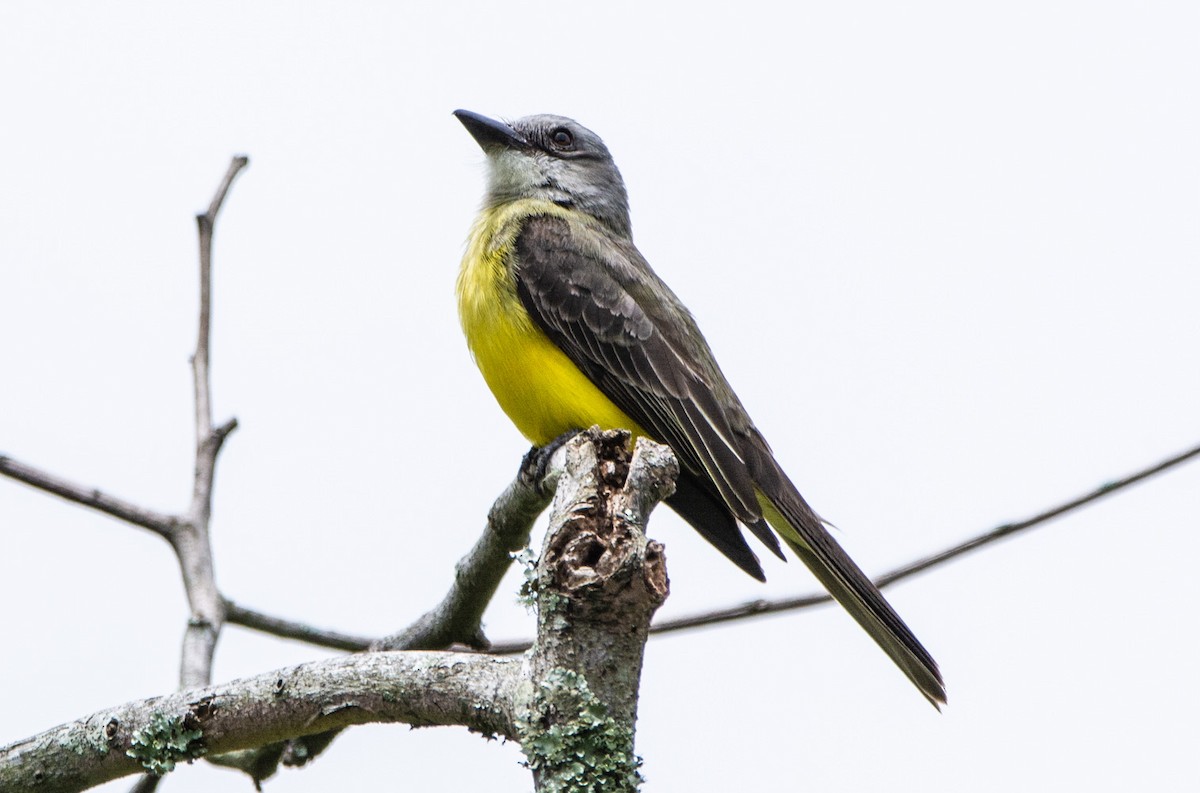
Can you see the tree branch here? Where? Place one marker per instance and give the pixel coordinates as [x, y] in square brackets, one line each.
[189, 534]
[157, 522]
[599, 582]
[157, 733]
[594, 548]
[192, 541]
[756, 608]
[762, 606]
[458, 618]
[236, 614]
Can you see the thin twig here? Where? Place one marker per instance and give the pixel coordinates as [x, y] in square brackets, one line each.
[157, 522]
[458, 618]
[208, 442]
[567, 679]
[756, 608]
[289, 629]
[509, 523]
[1008, 529]
[188, 534]
[192, 542]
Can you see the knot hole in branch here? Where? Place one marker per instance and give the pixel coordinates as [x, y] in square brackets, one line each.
[601, 539]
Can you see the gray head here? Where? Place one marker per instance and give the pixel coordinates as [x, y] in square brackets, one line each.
[554, 159]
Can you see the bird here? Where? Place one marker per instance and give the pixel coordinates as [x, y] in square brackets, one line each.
[571, 328]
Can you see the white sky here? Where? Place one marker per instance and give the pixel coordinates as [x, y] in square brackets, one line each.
[947, 255]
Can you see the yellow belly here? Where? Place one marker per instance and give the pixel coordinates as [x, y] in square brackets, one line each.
[543, 393]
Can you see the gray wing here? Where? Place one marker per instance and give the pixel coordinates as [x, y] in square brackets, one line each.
[601, 304]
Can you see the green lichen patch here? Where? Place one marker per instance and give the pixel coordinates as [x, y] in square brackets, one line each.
[527, 594]
[572, 743]
[165, 741]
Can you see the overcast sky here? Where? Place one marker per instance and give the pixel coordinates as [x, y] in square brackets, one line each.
[947, 255]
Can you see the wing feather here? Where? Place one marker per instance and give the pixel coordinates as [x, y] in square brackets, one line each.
[603, 307]
[598, 300]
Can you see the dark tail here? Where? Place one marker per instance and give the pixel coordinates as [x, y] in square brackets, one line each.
[788, 513]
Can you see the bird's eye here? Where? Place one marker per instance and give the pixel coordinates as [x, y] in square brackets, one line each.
[562, 138]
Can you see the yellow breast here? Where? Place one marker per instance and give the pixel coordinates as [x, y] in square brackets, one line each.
[543, 393]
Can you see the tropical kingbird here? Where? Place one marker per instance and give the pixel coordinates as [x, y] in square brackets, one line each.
[570, 327]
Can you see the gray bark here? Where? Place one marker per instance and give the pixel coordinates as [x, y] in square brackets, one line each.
[598, 584]
[571, 700]
[157, 734]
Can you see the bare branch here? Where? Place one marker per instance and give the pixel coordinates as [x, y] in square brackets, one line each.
[192, 542]
[458, 618]
[214, 207]
[599, 582]
[414, 688]
[249, 618]
[507, 509]
[188, 535]
[1009, 529]
[157, 522]
[755, 608]
[206, 223]
[501, 513]
[597, 563]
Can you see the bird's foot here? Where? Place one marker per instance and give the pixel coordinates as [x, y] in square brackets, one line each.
[536, 463]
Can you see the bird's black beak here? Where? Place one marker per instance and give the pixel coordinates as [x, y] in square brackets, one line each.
[488, 132]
